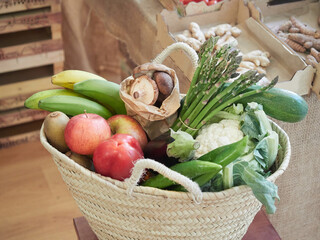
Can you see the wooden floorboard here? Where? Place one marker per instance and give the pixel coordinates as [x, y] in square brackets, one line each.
[35, 202]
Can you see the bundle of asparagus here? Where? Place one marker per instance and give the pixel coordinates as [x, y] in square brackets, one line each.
[209, 93]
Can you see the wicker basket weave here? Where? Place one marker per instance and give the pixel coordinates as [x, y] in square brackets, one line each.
[149, 213]
[122, 210]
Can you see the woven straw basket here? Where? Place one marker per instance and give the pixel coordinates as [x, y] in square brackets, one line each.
[123, 210]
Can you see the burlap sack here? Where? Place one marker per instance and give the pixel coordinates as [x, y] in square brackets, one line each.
[154, 120]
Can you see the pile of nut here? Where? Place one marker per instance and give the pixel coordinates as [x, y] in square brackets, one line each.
[195, 37]
[255, 60]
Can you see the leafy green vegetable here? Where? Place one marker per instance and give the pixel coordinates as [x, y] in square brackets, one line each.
[267, 149]
[235, 109]
[257, 125]
[183, 147]
[251, 126]
[265, 125]
[251, 167]
[253, 163]
[256, 122]
[265, 191]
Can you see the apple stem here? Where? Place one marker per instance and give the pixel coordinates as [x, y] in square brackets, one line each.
[85, 112]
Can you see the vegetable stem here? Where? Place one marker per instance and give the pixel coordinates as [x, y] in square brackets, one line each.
[200, 122]
[207, 94]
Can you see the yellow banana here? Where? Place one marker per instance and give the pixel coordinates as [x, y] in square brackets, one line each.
[33, 101]
[68, 78]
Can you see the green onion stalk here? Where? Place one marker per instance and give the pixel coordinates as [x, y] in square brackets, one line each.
[207, 94]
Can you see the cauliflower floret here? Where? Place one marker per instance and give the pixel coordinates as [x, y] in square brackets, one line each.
[218, 134]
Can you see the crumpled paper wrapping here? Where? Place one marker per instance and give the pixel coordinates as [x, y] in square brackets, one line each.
[154, 120]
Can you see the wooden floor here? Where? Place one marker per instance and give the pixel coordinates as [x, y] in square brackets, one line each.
[34, 201]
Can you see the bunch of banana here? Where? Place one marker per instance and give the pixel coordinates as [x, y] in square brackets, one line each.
[82, 91]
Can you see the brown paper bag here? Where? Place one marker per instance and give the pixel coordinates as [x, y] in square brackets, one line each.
[154, 120]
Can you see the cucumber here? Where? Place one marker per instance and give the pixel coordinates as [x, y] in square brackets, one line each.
[279, 104]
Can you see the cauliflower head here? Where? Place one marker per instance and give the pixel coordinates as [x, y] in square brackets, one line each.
[219, 134]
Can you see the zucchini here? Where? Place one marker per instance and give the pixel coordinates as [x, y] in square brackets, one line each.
[279, 104]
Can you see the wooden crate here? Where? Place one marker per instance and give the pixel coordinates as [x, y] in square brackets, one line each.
[20, 116]
[31, 51]
[8, 6]
[191, 8]
[12, 136]
[13, 94]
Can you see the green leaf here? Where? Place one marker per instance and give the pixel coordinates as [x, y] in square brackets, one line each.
[183, 147]
[265, 191]
[251, 126]
[235, 109]
[267, 149]
[261, 153]
[256, 123]
[253, 163]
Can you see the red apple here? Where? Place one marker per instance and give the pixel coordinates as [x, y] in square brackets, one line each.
[116, 156]
[128, 125]
[84, 132]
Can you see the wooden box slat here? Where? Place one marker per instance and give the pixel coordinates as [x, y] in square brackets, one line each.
[14, 140]
[22, 133]
[31, 61]
[13, 94]
[21, 91]
[29, 49]
[20, 116]
[8, 6]
[18, 22]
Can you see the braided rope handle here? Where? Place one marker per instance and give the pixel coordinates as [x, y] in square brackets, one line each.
[142, 164]
[178, 46]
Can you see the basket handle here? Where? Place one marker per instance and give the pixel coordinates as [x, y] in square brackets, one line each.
[142, 164]
[178, 46]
